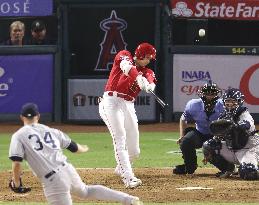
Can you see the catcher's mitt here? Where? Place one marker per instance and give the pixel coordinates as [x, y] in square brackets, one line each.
[235, 136]
[20, 189]
[221, 127]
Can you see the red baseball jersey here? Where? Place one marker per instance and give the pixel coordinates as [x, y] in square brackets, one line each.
[122, 83]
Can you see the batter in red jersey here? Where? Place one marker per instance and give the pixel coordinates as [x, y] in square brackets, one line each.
[129, 75]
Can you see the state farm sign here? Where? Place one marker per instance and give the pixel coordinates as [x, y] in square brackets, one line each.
[231, 9]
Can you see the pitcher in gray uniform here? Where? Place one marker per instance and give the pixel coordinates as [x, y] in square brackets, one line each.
[41, 146]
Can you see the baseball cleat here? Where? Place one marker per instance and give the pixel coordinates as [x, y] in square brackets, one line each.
[226, 174]
[180, 169]
[183, 169]
[132, 182]
[223, 175]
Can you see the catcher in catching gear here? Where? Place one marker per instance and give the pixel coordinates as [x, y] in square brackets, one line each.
[235, 141]
[201, 111]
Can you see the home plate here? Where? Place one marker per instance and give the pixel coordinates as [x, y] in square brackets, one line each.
[194, 188]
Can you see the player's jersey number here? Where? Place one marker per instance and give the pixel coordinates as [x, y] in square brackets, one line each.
[47, 139]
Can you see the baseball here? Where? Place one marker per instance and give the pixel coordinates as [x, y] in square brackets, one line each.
[202, 32]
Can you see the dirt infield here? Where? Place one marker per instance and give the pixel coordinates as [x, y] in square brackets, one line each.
[157, 127]
[159, 184]
[153, 127]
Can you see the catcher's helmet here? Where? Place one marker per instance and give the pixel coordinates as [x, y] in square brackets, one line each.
[144, 49]
[209, 89]
[236, 95]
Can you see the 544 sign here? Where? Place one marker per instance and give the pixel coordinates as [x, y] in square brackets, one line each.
[244, 50]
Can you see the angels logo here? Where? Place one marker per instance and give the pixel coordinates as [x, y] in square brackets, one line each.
[112, 42]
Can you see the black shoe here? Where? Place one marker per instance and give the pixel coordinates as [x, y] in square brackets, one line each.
[180, 169]
[219, 173]
[191, 169]
[227, 173]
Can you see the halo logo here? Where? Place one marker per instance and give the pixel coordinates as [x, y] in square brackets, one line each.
[181, 9]
[113, 41]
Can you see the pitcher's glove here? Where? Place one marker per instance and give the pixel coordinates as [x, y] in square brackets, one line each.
[20, 189]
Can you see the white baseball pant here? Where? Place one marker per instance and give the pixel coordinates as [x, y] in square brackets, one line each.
[58, 186]
[120, 117]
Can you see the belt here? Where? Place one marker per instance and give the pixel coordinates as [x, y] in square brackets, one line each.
[121, 95]
[53, 171]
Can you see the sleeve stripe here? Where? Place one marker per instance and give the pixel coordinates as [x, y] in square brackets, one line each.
[16, 158]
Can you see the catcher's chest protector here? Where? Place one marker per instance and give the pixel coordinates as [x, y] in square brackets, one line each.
[237, 138]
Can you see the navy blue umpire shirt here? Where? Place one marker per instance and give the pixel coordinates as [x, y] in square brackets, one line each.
[194, 112]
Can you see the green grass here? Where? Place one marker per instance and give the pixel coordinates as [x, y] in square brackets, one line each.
[153, 150]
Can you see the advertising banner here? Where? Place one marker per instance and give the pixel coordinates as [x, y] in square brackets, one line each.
[221, 9]
[26, 78]
[83, 97]
[26, 8]
[190, 72]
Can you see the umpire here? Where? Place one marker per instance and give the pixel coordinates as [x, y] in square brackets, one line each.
[202, 112]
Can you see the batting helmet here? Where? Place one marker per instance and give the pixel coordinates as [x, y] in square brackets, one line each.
[236, 95]
[209, 89]
[144, 49]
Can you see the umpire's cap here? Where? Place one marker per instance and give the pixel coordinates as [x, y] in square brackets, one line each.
[38, 26]
[29, 110]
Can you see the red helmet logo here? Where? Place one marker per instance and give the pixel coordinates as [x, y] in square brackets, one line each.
[145, 49]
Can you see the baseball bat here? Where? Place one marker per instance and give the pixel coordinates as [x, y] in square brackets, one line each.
[158, 99]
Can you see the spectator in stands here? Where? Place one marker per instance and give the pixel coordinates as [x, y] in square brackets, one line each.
[17, 30]
[38, 34]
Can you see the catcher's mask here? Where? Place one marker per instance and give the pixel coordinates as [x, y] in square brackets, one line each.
[209, 93]
[233, 99]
